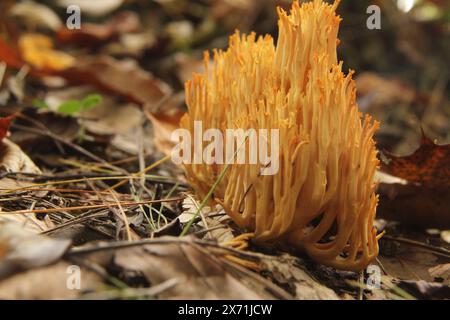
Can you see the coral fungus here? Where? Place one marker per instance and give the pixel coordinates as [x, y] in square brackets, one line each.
[322, 199]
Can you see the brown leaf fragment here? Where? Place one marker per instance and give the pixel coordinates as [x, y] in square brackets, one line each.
[92, 8]
[202, 270]
[24, 250]
[124, 78]
[415, 205]
[91, 35]
[4, 126]
[29, 285]
[287, 271]
[164, 122]
[429, 165]
[441, 271]
[35, 15]
[13, 159]
[426, 290]
[201, 276]
[10, 54]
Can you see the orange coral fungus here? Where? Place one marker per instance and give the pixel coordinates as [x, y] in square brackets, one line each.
[322, 199]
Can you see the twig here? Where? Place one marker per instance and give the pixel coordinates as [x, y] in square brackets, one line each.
[124, 216]
[138, 174]
[128, 293]
[436, 250]
[96, 178]
[95, 206]
[167, 240]
[74, 146]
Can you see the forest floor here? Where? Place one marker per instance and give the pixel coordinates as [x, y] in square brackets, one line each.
[93, 207]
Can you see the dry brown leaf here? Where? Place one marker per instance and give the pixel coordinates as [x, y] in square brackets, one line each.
[165, 121]
[22, 249]
[429, 165]
[13, 159]
[29, 285]
[203, 271]
[445, 235]
[97, 34]
[441, 271]
[124, 78]
[4, 126]
[286, 270]
[215, 220]
[110, 118]
[426, 290]
[186, 65]
[411, 263]
[93, 8]
[163, 126]
[200, 274]
[36, 15]
[414, 205]
[416, 192]
[378, 93]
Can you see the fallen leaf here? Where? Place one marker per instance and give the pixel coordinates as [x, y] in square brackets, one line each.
[37, 50]
[28, 285]
[97, 34]
[286, 270]
[414, 206]
[10, 54]
[93, 8]
[419, 184]
[411, 263]
[204, 271]
[164, 122]
[429, 165]
[124, 78]
[200, 276]
[426, 290]
[377, 93]
[36, 15]
[441, 271]
[445, 235]
[4, 126]
[132, 44]
[212, 219]
[13, 159]
[187, 65]
[111, 118]
[27, 221]
[24, 250]
[123, 126]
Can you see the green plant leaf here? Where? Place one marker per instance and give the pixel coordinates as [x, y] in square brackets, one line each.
[70, 107]
[91, 101]
[40, 104]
